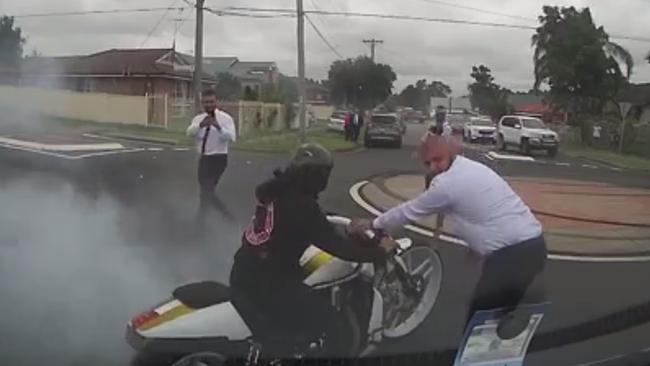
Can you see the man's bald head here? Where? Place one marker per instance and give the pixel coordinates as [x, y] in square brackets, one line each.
[438, 152]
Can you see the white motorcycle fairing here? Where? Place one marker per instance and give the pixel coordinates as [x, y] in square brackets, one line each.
[199, 316]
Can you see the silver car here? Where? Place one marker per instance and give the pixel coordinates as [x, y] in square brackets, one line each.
[384, 128]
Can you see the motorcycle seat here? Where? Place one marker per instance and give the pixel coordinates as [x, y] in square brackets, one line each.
[201, 295]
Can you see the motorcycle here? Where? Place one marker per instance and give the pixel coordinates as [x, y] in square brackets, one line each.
[379, 301]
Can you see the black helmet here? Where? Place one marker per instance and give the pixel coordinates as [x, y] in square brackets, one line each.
[311, 154]
[310, 168]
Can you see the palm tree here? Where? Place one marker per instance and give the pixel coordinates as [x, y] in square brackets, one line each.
[557, 26]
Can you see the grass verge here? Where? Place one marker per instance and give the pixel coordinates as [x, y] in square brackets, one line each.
[268, 141]
[288, 141]
[608, 157]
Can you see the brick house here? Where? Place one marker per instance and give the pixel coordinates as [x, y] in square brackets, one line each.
[116, 71]
[252, 74]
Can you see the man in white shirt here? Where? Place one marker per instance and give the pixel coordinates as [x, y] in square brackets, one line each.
[486, 213]
[213, 131]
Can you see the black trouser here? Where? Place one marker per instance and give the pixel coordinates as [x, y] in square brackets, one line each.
[278, 305]
[356, 129]
[348, 132]
[506, 275]
[211, 167]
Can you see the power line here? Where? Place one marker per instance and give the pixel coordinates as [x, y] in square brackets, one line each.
[286, 13]
[513, 16]
[93, 12]
[323, 37]
[158, 23]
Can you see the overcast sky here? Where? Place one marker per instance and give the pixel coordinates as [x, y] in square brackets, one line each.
[415, 50]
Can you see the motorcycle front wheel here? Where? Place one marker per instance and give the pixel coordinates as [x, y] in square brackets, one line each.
[201, 359]
[424, 266]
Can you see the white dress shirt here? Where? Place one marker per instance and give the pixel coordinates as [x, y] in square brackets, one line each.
[485, 212]
[218, 142]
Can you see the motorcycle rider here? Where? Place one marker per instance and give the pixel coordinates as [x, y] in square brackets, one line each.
[267, 279]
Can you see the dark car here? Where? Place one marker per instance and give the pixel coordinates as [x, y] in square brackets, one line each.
[383, 128]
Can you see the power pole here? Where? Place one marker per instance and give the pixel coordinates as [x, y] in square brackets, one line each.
[302, 117]
[373, 42]
[198, 55]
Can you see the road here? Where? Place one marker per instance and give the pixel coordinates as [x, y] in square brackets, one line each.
[86, 243]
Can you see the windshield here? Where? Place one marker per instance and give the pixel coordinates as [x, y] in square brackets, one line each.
[533, 123]
[482, 122]
[150, 145]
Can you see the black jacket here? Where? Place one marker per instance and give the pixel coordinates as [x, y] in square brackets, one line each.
[282, 229]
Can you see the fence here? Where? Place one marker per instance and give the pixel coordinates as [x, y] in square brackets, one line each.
[94, 107]
[250, 117]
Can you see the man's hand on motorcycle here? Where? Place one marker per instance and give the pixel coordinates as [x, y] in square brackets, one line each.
[388, 244]
[359, 227]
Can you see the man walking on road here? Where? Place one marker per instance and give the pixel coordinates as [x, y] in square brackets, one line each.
[213, 130]
[498, 227]
[357, 123]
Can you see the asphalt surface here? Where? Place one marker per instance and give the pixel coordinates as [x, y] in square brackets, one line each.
[87, 243]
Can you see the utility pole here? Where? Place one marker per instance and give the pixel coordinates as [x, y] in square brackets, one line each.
[302, 118]
[373, 42]
[198, 55]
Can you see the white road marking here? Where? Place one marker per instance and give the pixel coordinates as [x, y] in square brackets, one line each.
[356, 197]
[60, 147]
[37, 151]
[562, 164]
[155, 149]
[181, 149]
[510, 157]
[589, 166]
[102, 153]
[69, 157]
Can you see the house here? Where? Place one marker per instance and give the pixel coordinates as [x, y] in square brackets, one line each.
[252, 74]
[158, 71]
[531, 104]
[638, 95]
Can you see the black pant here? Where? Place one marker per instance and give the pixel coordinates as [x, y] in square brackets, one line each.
[211, 167]
[356, 129]
[506, 275]
[348, 132]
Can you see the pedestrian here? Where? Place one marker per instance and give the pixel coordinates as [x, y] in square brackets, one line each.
[347, 126]
[357, 125]
[499, 229]
[213, 131]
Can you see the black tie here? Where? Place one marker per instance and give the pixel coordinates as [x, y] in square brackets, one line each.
[205, 139]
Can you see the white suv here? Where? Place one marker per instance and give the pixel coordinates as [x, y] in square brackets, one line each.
[527, 133]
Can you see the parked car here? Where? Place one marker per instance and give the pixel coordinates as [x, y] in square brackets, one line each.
[480, 129]
[384, 127]
[527, 133]
[411, 115]
[337, 121]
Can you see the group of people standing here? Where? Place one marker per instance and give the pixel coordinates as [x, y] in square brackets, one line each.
[352, 124]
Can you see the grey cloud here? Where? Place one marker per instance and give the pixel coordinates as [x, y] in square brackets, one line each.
[415, 49]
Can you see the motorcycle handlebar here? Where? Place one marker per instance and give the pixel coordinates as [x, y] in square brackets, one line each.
[340, 220]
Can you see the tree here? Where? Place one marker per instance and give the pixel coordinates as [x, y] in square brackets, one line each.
[228, 86]
[486, 95]
[419, 95]
[360, 82]
[581, 66]
[250, 94]
[11, 42]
